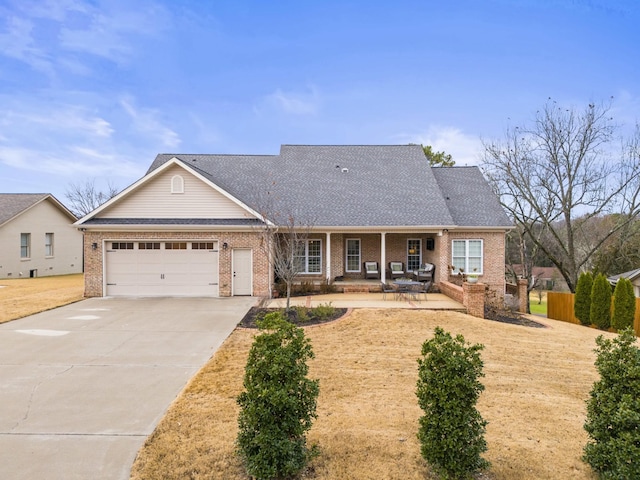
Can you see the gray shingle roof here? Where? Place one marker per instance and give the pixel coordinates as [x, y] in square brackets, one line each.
[12, 204]
[631, 275]
[353, 185]
[469, 197]
[175, 221]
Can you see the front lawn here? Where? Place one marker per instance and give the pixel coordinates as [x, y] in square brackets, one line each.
[537, 381]
[538, 307]
[20, 297]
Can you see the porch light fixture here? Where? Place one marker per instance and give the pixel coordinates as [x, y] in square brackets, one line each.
[225, 245]
[94, 246]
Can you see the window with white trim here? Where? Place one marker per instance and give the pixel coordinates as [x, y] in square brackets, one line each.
[414, 254]
[48, 244]
[353, 254]
[177, 184]
[308, 256]
[467, 255]
[25, 245]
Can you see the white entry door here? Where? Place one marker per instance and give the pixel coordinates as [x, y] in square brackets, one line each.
[242, 266]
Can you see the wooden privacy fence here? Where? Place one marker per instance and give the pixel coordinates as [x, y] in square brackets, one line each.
[560, 307]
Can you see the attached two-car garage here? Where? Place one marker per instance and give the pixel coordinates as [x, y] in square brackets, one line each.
[161, 268]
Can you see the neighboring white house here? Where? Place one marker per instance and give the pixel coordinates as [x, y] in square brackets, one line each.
[36, 237]
[633, 275]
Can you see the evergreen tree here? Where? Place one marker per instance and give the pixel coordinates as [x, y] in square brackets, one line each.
[582, 298]
[601, 302]
[624, 304]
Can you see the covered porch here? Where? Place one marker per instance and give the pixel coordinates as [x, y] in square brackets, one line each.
[433, 301]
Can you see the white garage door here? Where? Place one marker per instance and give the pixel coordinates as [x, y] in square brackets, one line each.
[185, 268]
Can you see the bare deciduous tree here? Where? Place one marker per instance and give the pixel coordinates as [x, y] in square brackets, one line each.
[557, 174]
[283, 239]
[85, 197]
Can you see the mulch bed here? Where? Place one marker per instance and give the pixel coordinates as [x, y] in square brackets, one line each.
[514, 318]
[504, 316]
[249, 320]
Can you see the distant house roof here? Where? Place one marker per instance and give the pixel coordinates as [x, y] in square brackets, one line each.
[13, 204]
[353, 185]
[630, 275]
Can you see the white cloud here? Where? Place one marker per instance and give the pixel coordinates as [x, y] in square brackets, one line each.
[464, 148]
[62, 119]
[17, 42]
[146, 122]
[43, 34]
[295, 103]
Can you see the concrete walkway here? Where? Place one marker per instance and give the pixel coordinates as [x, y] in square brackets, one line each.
[434, 301]
[82, 386]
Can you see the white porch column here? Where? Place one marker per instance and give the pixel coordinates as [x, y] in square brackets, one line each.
[383, 257]
[328, 257]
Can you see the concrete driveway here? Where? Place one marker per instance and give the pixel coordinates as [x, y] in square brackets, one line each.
[82, 386]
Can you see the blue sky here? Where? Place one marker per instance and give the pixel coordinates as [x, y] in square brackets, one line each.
[95, 89]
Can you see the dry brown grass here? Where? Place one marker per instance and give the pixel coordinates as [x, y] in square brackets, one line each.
[537, 381]
[20, 297]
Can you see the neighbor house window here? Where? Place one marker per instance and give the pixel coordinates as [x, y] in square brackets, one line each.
[353, 255]
[48, 244]
[467, 255]
[414, 254]
[177, 184]
[308, 256]
[25, 245]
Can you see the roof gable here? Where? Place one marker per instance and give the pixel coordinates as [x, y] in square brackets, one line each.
[15, 204]
[151, 197]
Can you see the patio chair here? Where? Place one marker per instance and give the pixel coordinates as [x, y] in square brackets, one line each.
[371, 270]
[389, 289]
[396, 270]
[425, 272]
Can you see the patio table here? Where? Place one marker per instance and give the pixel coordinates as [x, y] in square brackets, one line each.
[409, 288]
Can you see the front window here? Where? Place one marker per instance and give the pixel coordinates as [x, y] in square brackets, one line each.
[25, 245]
[353, 255]
[48, 244]
[308, 256]
[414, 254]
[467, 256]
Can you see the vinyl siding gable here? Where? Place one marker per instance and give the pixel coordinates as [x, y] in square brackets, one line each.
[155, 199]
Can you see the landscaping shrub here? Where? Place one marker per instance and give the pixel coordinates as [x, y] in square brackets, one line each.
[582, 298]
[613, 409]
[323, 311]
[327, 286]
[601, 302]
[452, 430]
[302, 313]
[624, 305]
[278, 405]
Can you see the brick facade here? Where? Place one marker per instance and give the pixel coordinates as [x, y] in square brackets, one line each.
[94, 258]
[493, 259]
[396, 250]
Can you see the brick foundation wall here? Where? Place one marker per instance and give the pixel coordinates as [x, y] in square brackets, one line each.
[93, 284]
